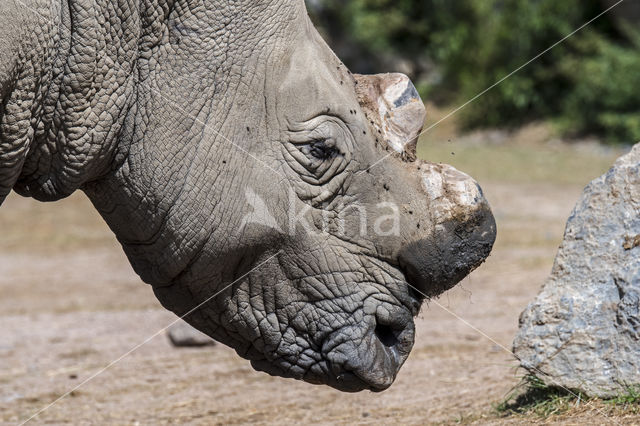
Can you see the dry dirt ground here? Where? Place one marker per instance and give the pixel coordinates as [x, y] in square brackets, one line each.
[71, 305]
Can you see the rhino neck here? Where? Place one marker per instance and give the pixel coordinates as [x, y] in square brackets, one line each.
[202, 87]
[74, 86]
[75, 82]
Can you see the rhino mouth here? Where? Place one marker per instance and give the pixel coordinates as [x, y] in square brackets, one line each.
[355, 341]
[374, 361]
[366, 354]
[351, 328]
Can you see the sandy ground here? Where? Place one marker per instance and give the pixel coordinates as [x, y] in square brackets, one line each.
[71, 305]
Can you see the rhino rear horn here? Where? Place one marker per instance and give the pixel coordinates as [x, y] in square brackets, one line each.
[394, 108]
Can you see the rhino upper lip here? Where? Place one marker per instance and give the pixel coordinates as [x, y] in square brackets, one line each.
[413, 298]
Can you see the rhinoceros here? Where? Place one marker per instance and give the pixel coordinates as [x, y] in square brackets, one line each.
[266, 193]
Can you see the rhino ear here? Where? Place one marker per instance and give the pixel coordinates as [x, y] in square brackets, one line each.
[393, 104]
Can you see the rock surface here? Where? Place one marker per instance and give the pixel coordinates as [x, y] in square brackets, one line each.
[182, 334]
[583, 330]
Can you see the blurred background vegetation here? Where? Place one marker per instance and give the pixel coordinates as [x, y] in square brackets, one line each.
[588, 85]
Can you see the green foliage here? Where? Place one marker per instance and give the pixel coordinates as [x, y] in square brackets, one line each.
[603, 97]
[457, 49]
[631, 397]
[533, 396]
[515, 32]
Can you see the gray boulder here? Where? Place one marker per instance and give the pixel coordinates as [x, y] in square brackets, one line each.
[583, 330]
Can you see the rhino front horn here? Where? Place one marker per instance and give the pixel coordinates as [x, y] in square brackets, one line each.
[394, 108]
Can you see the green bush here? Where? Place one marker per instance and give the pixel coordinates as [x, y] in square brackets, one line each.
[459, 48]
[514, 32]
[604, 95]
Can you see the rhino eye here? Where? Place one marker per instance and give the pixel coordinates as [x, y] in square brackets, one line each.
[319, 150]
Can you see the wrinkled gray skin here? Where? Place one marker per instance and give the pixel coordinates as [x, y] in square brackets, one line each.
[165, 112]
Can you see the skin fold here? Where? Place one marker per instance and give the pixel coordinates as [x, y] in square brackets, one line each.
[177, 117]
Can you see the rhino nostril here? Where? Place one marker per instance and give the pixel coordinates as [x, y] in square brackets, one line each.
[386, 335]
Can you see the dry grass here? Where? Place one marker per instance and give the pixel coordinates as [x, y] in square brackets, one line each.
[533, 399]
